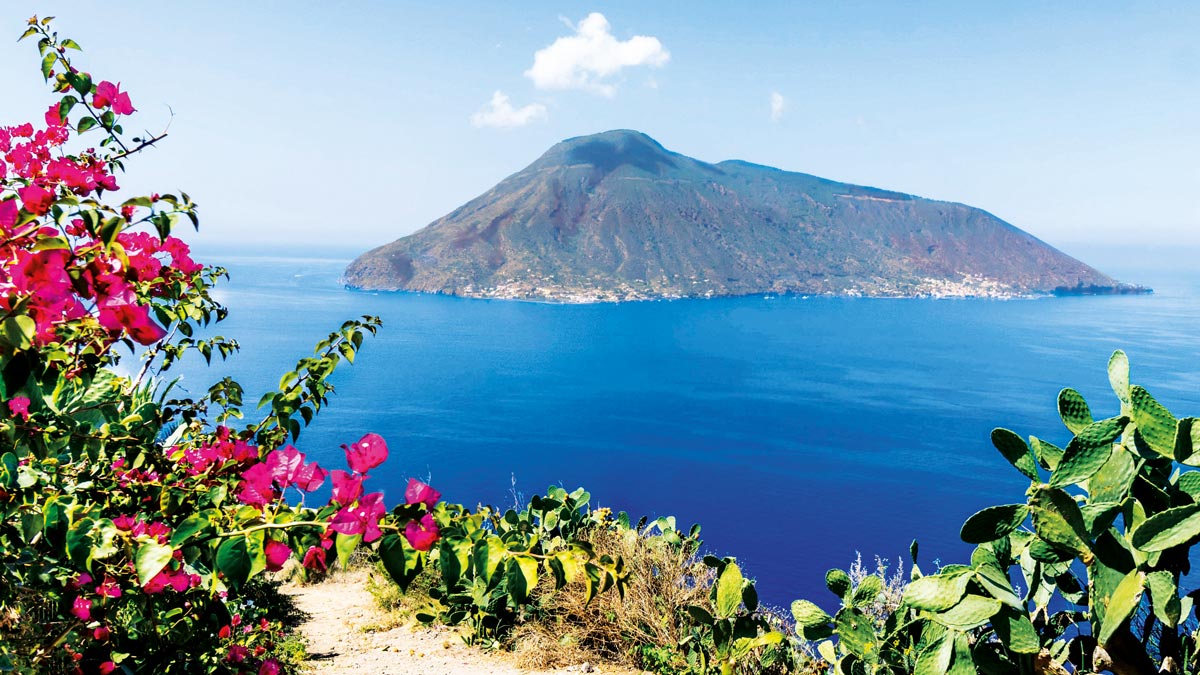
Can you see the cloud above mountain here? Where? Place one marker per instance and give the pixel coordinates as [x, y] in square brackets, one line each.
[778, 105]
[592, 57]
[499, 112]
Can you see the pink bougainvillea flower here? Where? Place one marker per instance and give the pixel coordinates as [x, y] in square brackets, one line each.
[19, 407]
[108, 94]
[82, 608]
[8, 214]
[119, 310]
[309, 477]
[82, 580]
[361, 519]
[314, 559]
[101, 633]
[125, 523]
[284, 463]
[288, 468]
[421, 534]
[36, 200]
[269, 667]
[256, 488]
[276, 553]
[236, 653]
[346, 488]
[421, 493]
[107, 667]
[53, 119]
[225, 632]
[369, 452]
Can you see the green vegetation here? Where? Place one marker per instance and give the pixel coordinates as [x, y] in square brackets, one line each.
[1099, 545]
[1083, 575]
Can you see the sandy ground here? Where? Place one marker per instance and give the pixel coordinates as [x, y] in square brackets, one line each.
[338, 610]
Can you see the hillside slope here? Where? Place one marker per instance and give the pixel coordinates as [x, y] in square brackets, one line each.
[616, 216]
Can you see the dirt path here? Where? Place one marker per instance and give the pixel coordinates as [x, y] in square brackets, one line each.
[339, 608]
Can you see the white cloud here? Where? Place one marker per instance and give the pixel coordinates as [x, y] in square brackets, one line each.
[588, 58]
[500, 112]
[778, 105]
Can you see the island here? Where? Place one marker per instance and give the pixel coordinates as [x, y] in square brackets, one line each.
[615, 216]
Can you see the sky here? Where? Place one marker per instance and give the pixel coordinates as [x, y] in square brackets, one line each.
[354, 123]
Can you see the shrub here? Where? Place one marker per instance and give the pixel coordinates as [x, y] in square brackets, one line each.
[1100, 544]
[134, 528]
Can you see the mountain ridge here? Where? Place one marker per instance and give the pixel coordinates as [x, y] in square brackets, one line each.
[616, 216]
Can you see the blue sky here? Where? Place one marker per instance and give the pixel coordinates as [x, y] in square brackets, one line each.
[353, 122]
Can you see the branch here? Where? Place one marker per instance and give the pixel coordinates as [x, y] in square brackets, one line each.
[142, 146]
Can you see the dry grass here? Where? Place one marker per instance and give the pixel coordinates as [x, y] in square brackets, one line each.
[397, 607]
[893, 585]
[663, 580]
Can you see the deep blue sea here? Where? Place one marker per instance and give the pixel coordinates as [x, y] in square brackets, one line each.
[796, 431]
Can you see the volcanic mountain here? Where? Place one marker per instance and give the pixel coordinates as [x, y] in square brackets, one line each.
[615, 216]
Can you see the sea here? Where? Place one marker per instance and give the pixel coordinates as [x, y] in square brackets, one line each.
[801, 433]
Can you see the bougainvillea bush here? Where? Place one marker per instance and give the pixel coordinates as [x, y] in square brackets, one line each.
[132, 524]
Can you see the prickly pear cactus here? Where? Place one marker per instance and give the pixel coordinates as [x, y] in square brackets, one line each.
[1097, 547]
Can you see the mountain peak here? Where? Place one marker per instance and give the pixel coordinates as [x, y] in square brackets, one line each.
[610, 150]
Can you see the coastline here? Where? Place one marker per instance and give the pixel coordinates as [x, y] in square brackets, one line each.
[562, 296]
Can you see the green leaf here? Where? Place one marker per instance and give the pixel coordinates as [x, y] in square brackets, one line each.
[744, 645]
[935, 658]
[522, 578]
[838, 582]
[1113, 481]
[255, 541]
[1155, 424]
[1047, 453]
[808, 615]
[1121, 605]
[48, 62]
[233, 561]
[402, 562]
[1168, 529]
[1164, 595]
[150, 559]
[1073, 410]
[972, 611]
[993, 523]
[995, 581]
[964, 662]
[701, 617]
[728, 591]
[1189, 482]
[868, 590]
[1118, 378]
[191, 526]
[1087, 452]
[1057, 519]
[18, 331]
[489, 553]
[79, 541]
[936, 592]
[345, 546]
[1015, 450]
[1098, 516]
[857, 634]
[1016, 631]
